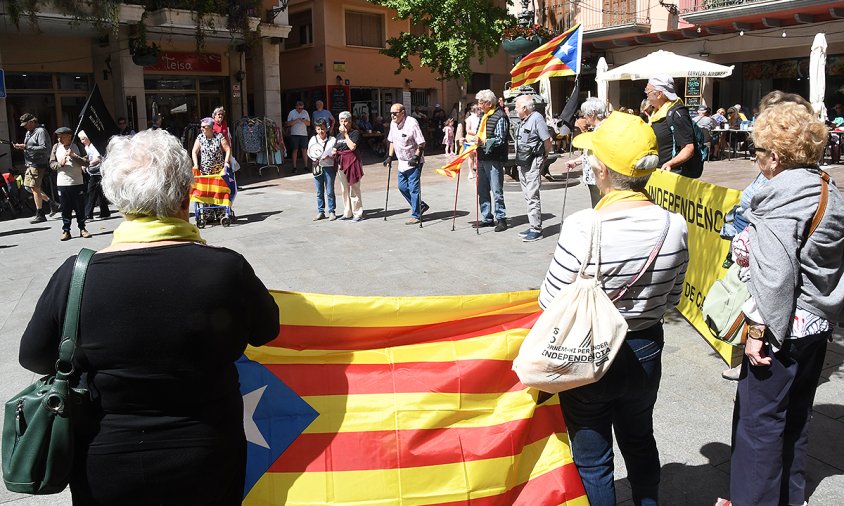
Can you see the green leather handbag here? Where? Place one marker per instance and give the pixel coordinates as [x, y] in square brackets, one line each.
[41, 422]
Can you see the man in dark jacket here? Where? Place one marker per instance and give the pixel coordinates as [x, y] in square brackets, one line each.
[673, 128]
[492, 136]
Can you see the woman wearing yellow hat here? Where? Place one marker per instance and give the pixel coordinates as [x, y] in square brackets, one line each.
[622, 154]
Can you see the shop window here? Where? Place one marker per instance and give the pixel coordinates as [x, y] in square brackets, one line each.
[75, 82]
[29, 81]
[302, 32]
[479, 81]
[364, 29]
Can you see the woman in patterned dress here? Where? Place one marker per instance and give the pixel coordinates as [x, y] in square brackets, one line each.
[211, 151]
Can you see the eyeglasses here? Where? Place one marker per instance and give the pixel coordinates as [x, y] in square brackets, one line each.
[762, 150]
[648, 92]
[395, 113]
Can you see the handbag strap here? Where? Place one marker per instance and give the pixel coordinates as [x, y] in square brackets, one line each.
[594, 248]
[816, 219]
[67, 346]
[617, 294]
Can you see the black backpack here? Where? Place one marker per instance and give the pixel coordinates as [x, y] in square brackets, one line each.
[693, 167]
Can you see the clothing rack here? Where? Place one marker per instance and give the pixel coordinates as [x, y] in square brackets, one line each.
[259, 136]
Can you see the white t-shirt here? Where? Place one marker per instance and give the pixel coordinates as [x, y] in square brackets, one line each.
[325, 160]
[69, 174]
[472, 123]
[299, 128]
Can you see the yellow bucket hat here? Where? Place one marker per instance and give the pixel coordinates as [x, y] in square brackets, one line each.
[620, 142]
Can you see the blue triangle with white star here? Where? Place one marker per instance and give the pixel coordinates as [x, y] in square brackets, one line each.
[273, 417]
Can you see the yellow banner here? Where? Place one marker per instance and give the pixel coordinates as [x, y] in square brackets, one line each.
[704, 206]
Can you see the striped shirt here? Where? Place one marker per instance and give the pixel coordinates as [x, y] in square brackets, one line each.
[628, 236]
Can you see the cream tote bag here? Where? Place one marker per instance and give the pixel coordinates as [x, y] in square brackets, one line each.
[575, 340]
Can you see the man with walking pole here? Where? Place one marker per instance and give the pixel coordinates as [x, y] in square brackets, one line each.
[532, 147]
[408, 145]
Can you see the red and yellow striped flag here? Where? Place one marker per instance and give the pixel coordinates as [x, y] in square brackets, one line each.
[558, 57]
[211, 189]
[416, 405]
[452, 168]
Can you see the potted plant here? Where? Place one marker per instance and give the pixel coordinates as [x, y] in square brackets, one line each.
[142, 53]
[521, 39]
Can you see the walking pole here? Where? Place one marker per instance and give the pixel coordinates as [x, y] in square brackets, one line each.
[456, 191]
[389, 170]
[421, 217]
[566, 191]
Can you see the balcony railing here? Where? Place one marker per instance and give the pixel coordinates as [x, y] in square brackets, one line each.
[613, 14]
[690, 6]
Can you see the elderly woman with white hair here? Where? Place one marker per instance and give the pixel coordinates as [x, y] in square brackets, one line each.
[158, 360]
[351, 169]
[623, 154]
[594, 112]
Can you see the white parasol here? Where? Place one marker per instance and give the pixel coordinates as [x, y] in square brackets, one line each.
[665, 63]
[817, 75]
[603, 85]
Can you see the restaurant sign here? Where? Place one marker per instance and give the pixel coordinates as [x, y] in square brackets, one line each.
[172, 61]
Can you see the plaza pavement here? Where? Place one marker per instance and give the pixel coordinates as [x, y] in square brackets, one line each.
[377, 257]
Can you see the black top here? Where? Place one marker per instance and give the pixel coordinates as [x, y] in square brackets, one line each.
[683, 135]
[354, 136]
[160, 329]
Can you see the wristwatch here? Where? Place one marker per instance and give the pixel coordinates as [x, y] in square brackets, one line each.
[756, 332]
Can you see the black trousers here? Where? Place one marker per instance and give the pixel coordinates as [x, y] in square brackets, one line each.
[72, 200]
[771, 423]
[96, 197]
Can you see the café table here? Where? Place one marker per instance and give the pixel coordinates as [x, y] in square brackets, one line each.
[734, 137]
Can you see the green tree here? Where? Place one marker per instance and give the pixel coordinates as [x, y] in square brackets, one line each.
[456, 31]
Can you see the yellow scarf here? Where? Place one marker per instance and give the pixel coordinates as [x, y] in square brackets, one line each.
[482, 127]
[662, 112]
[152, 229]
[621, 196]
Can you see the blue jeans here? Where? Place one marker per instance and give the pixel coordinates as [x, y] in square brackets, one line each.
[491, 173]
[325, 186]
[410, 188]
[622, 400]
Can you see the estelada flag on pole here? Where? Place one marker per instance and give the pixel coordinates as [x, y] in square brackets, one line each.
[558, 57]
[452, 168]
[402, 401]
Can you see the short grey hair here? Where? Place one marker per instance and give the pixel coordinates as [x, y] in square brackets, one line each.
[594, 106]
[148, 174]
[486, 96]
[344, 115]
[623, 182]
[218, 109]
[527, 101]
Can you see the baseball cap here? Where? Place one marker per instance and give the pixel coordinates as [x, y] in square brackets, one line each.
[26, 118]
[665, 84]
[703, 108]
[63, 130]
[620, 142]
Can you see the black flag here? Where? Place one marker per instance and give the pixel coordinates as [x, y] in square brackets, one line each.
[567, 116]
[96, 121]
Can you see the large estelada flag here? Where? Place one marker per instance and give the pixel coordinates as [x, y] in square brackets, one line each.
[96, 121]
[215, 189]
[401, 401]
[558, 57]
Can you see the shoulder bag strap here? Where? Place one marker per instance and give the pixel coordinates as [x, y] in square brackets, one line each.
[67, 346]
[651, 258]
[594, 249]
[816, 219]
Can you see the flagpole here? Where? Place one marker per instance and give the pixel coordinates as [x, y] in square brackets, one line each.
[420, 197]
[456, 191]
[477, 197]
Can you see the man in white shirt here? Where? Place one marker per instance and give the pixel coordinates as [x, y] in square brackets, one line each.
[408, 145]
[298, 120]
[68, 162]
[95, 178]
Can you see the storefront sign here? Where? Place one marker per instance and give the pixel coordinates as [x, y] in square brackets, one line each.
[235, 90]
[693, 101]
[339, 66]
[693, 87]
[172, 61]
